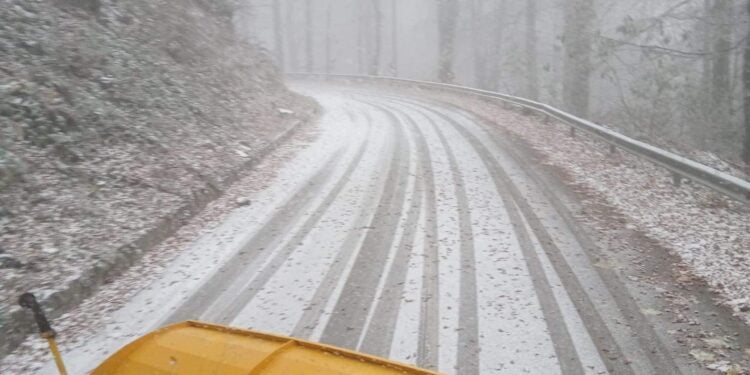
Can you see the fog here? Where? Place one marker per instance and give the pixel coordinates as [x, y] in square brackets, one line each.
[157, 166]
[666, 71]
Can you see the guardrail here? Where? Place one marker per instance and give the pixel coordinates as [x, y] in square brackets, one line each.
[680, 166]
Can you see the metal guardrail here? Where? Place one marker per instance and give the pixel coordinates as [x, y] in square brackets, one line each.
[680, 166]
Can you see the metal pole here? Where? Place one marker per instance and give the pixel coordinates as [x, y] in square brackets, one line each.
[28, 301]
[56, 354]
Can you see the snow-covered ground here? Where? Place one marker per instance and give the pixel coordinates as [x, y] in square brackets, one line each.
[710, 233]
[403, 229]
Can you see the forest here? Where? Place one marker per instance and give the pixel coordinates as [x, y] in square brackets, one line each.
[296, 169]
[675, 73]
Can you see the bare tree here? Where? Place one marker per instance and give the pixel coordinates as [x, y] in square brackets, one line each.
[671, 70]
[361, 39]
[374, 67]
[720, 20]
[495, 54]
[291, 36]
[309, 55]
[278, 31]
[394, 37]
[478, 43]
[746, 92]
[706, 31]
[447, 16]
[532, 78]
[578, 44]
[329, 38]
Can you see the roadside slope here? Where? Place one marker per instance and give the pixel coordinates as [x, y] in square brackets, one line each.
[119, 120]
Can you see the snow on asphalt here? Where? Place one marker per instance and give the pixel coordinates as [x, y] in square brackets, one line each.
[709, 232]
[501, 300]
[405, 341]
[134, 302]
[302, 272]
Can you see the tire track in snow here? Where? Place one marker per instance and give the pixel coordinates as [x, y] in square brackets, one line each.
[329, 287]
[517, 206]
[264, 274]
[468, 335]
[261, 276]
[259, 249]
[347, 321]
[637, 339]
[427, 349]
[541, 283]
[428, 326]
[441, 273]
[281, 303]
[378, 336]
[256, 248]
[464, 352]
[451, 342]
[568, 358]
[563, 343]
[375, 268]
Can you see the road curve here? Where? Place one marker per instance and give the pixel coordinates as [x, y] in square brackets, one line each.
[410, 231]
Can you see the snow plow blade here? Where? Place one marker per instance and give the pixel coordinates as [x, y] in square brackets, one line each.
[201, 348]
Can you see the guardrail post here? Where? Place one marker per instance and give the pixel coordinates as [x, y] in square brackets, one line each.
[572, 132]
[676, 179]
[612, 149]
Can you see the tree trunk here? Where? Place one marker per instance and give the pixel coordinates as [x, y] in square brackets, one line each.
[309, 56]
[578, 44]
[361, 40]
[374, 68]
[292, 45]
[447, 16]
[494, 73]
[278, 30]
[532, 79]
[721, 14]
[707, 32]
[394, 38]
[478, 41]
[746, 81]
[328, 39]
[721, 20]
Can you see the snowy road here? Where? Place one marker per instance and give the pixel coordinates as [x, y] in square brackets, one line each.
[407, 231]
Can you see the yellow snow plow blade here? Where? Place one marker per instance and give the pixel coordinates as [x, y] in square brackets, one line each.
[200, 348]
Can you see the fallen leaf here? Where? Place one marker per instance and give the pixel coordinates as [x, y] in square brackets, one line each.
[605, 264]
[702, 356]
[718, 343]
[651, 312]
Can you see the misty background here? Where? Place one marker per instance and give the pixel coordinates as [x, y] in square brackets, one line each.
[670, 72]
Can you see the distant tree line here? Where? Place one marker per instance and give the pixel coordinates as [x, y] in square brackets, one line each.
[672, 71]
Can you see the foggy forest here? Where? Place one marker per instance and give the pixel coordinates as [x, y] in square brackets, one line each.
[670, 72]
[375, 187]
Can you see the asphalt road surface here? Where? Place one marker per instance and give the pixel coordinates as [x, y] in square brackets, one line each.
[406, 230]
